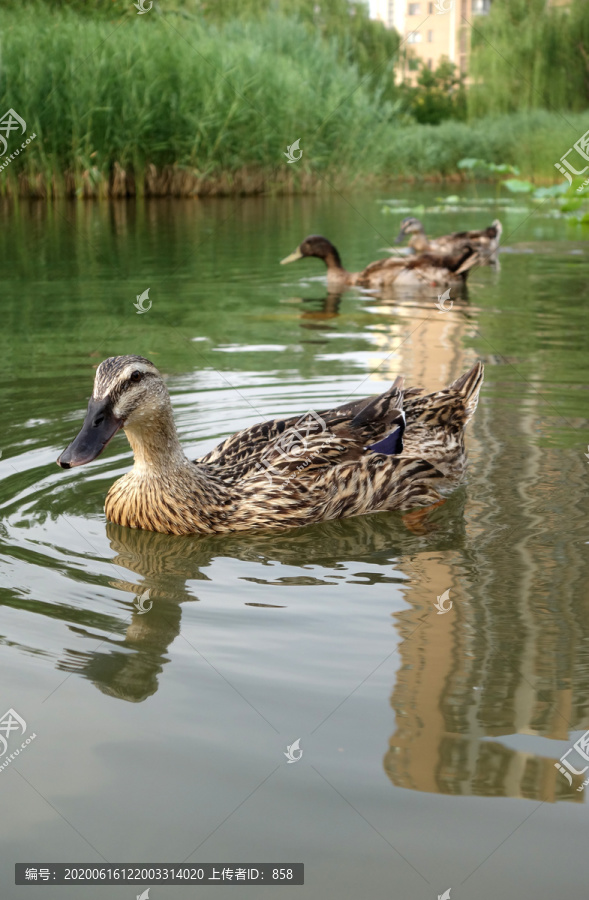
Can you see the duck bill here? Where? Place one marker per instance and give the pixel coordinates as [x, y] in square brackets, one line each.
[292, 258]
[100, 425]
[399, 237]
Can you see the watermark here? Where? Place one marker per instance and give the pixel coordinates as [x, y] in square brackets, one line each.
[441, 301]
[440, 604]
[445, 895]
[291, 750]
[34, 874]
[587, 454]
[160, 873]
[11, 721]
[293, 444]
[142, 8]
[290, 152]
[139, 305]
[10, 122]
[23, 146]
[441, 8]
[581, 146]
[140, 603]
[581, 746]
[144, 895]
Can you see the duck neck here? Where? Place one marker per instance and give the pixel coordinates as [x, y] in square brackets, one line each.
[335, 270]
[419, 242]
[164, 491]
[155, 444]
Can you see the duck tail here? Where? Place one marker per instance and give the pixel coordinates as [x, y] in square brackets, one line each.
[454, 406]
[468, 259]
[383, 407]
[469, 387]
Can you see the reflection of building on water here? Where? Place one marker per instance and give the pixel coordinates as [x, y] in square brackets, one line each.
[510, 657]
[423, 344]
[452, 692]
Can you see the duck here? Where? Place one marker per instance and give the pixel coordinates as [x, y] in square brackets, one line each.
[395, 450]
[486, 241]
[434, 269]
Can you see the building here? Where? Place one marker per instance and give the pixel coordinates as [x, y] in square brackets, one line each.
[431, 30]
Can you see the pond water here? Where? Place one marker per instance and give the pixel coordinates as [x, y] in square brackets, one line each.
[429, 739]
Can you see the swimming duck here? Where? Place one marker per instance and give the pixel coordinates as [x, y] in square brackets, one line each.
[390, 451]
[485, 241]
[427, 269]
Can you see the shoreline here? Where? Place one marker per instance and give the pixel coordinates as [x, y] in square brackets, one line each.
[184, 183]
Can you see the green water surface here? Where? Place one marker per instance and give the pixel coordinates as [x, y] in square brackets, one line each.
[429, 739]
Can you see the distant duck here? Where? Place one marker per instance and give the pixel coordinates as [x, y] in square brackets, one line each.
[434, 269]
[396, 450]
[485, 241]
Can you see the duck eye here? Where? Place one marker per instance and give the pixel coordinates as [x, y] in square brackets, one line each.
[136, 376]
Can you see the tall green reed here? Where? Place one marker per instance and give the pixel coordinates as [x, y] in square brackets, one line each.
[162, 91]
[216, 101]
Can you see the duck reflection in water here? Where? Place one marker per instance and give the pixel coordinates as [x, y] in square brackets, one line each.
[320, 309]
[317, 310]
[130, 659]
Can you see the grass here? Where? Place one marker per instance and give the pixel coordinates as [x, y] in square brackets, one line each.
[533, 141]
[157, 104]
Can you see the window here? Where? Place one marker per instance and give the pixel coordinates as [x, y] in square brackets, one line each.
[414, 9]
[481, 7]
[430, 36]
[430, 64]
[414, 38]
[430, 9]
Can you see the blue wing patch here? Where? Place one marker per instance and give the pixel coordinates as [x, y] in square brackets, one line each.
[392, 444]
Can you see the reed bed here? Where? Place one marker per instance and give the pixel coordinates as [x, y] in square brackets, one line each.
[159, 105]
[165, 106]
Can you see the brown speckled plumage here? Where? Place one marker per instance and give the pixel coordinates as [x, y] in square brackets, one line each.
[485, 241]
[439, 269]
[285, 472]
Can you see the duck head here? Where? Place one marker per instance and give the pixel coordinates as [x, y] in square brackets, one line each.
[128, 393]
[410, 225]
[316, 245]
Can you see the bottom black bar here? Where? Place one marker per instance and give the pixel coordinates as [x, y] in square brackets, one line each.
[159, 873]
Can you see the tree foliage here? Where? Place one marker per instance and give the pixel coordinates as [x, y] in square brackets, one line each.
[528, 55]
[439, 94]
